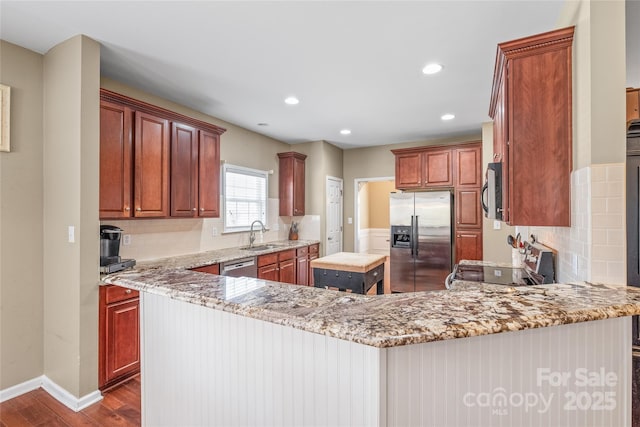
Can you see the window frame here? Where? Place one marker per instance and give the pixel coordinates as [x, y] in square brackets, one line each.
[246, 171]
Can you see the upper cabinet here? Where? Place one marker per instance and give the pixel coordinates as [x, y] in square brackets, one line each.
[422, 167]
[531, 109]
[291, 188]
[468, 166]
[633, 103]
[155, 163]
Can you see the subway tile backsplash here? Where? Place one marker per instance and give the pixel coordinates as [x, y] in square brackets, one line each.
[593, 248]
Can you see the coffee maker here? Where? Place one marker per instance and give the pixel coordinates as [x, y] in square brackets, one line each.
[110, 260]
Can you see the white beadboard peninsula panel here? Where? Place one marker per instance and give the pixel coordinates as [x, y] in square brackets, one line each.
[221, 369]
[488, 380]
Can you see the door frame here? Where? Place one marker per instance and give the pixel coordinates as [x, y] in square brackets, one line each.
[356, 211]
[326, 211]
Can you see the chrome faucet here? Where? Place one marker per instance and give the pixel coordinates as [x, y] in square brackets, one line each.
[252, 233]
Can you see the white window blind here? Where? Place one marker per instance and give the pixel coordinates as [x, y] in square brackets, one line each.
[245, 197]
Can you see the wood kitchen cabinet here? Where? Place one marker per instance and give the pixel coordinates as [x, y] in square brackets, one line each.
[119, 335]
[137, 177]
[633, 104]
[292, 183]
[531, 108]
[468, 166]
[211, 269]
[422, 167]
[302, 266]
[278, 266]
[314, 253]
[195, 172]
[467, 206]
[468, 245]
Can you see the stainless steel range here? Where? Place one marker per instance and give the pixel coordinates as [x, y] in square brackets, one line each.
[538, 269]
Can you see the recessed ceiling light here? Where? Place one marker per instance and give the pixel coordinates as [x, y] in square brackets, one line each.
[263, 124]
[292, 100]
[447, 117]
[345, 132]
[432, 68]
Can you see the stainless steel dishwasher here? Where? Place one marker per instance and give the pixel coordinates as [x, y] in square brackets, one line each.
[245, 267]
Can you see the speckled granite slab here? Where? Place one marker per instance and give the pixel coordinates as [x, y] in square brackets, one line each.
[388, 320]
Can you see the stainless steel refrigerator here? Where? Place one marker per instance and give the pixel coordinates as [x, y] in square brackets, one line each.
[421, 240]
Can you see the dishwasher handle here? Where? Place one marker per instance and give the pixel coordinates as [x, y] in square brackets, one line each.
[243, 263]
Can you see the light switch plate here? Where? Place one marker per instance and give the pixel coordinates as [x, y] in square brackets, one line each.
[349, 220]
[497, 225]
[72, 234]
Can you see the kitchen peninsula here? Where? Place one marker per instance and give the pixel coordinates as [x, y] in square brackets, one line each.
[241, 351]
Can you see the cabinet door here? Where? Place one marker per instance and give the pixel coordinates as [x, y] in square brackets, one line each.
[633, 102]
[115, 160]
[211, 269]
[468, 245]
[298, 187]
[291, 187]
[184, 170]
[437, 168]
[468, 212]
[311, 258]
[288, 271]
[268, 272]
[500, 123]
[302, 270]
[408, 170]
[151, 190]
[122, 339]
[468, 163]
[209, 175]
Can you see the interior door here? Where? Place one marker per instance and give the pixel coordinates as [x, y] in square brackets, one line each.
[334, 216]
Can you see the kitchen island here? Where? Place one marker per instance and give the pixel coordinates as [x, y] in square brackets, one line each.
[240, 351]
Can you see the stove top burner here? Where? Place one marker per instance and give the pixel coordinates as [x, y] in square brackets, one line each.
[509, 276]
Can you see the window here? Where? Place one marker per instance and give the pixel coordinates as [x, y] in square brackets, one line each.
[245, 197]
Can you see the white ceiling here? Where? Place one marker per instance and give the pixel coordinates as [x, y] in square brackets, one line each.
[354, 65]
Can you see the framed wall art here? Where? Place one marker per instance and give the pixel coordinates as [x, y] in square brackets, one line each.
[5, 108]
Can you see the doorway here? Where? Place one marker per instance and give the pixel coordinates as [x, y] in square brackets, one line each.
[334, 215]
[371, 231]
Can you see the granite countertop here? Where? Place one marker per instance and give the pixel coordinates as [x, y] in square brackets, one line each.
[384, 320]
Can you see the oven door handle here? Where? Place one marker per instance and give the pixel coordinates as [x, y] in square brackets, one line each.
[447, 281]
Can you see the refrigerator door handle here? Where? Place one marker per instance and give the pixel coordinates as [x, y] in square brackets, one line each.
[415, 236]
[411, 237]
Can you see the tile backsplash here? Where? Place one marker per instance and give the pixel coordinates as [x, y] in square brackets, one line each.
[594, 247]
[158, 238]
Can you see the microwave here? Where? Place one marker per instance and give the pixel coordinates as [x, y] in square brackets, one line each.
[491, 199]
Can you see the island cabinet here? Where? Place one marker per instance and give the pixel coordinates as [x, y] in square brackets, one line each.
[278, 266]
[531, 108]
[211, 269]
[137, 179]
[633, 104]
[119, 335]
[195, 172]
[423, 168]
[292, 183]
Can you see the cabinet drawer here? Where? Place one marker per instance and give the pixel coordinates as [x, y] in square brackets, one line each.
[267, 259]
[314, 249]
[117, 293]
[211, 269]
[302, 251]
[288, 254]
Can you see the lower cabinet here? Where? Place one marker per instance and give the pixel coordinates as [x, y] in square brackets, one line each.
[302, 266]
[119, 335]
[278, 266]
[211, 269]
[468, 245]
[313, 254]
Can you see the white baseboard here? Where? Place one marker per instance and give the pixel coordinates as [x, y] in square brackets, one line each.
[22, 388]
[57, 392]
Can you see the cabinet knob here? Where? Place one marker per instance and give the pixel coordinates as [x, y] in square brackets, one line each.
[128, 291]
[127, 209]
[138, 209]
[201, 209]
[193, 209]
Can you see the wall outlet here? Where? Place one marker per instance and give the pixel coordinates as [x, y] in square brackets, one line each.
[126, 239]
[214, 232]
[574, 264]
[497, 225]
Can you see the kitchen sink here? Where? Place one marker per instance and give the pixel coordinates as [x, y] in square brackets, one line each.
[260, 248]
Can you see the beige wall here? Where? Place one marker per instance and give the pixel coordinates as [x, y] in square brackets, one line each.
[363, 206]
[71, 165]
[21, 255]
[374, 162]
[494, 242]
[379, 203]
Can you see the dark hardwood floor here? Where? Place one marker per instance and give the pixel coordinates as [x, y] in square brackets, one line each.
[119, 407]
